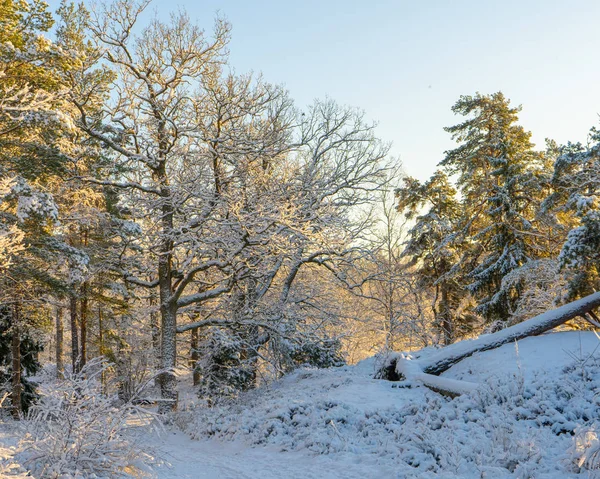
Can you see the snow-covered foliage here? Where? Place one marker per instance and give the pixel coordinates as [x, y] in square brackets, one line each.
[585, 451]
[543, 284]
[31, 204]
[77, 431]
[531, 416]
[435, 248]
[576, 183]
[496, 172]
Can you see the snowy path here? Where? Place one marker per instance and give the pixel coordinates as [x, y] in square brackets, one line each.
[188, 459]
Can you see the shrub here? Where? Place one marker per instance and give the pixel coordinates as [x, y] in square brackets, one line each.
[585, 451]
[76, 430]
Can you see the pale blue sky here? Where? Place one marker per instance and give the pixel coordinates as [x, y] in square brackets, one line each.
[405, 63]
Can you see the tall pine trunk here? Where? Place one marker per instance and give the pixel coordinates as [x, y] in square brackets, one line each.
[16, 363]
[83, 323]
[101, 346]
[74, 334]
[446, 319]
[60, 367]
[84, 308]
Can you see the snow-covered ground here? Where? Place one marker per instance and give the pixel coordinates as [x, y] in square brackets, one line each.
[545, 355]
[187, 459]
[535, 398]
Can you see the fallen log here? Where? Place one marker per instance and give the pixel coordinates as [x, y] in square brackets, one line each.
[401, 366]
[410, 369]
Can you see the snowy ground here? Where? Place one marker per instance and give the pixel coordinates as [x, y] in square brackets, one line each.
[546, 355]
[187, 459]
[341, 423]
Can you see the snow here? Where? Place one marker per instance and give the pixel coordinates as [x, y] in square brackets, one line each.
[186, 459]
[533, 415]
[545, 355]
[546, 320]
[519, 422]
[8, 466]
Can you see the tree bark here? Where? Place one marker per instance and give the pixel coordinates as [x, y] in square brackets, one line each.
[60, 367]
[101, 346]
[168, 304]
[446, 357]
[84, 308]
[447, 326]
[168, 380]
[74, 334]
[155, 331]
[194, 357]
[16, 364]
[83, 323]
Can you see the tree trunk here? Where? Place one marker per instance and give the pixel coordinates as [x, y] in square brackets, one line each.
[447, 326]
[155, 331]
[16, 364]
[84, 308]
[168, 304]
[74, 334]
[445, 358]
[194, 357]
[83, 323]
[60, 368]
[101, 346]
[168, 380]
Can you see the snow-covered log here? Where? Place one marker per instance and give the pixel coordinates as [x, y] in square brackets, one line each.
[410, 369]
[426, 368]
[446, 357]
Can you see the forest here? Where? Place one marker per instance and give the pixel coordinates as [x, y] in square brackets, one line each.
[176, 237]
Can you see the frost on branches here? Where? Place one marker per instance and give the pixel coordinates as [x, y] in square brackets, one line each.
[576, 182]
[76, 430]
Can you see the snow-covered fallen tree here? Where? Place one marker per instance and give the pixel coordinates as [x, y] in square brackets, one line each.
[427, 368]
[407, 367]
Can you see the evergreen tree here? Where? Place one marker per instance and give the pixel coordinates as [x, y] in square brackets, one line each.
[30, 126]
[434, 246]
[576, 183]
[494, 168]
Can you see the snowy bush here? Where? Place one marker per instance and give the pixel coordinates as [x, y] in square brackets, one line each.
[76, 431]
[585, 451]
[508, 427]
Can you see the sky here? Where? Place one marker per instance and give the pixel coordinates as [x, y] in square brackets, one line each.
[406, 63]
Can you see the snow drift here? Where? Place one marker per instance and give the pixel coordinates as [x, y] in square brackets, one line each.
[535, 404]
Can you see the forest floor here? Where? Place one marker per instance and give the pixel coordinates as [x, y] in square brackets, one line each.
[184, 458]
[536, 399]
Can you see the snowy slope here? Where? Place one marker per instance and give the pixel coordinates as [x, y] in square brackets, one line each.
[535, 400]
[547, 355]
[519, 423]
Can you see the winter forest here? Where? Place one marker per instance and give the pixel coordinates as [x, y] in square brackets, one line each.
[200, 277]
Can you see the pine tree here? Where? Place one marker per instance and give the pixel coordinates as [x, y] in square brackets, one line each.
[434, 245]
[494, 167]
[576, 183]
[29, 119]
